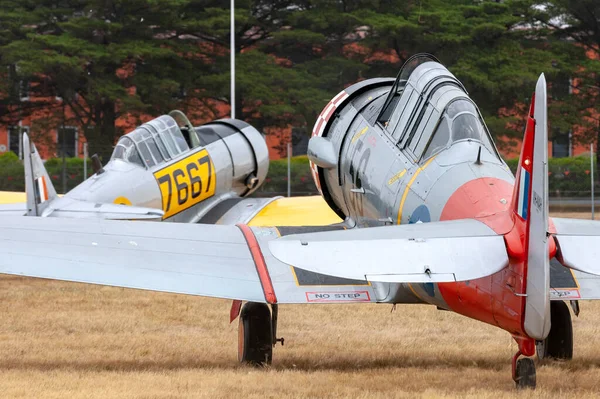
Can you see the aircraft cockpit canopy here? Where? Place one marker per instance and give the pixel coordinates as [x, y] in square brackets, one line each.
[460, 121]
[400, 83]
[428, 109]
[152, 143]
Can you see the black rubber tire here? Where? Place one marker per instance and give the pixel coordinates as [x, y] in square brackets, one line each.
[255, 340]
[525, 374]
[558, 344]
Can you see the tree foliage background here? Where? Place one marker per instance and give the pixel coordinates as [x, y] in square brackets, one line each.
[111, 59]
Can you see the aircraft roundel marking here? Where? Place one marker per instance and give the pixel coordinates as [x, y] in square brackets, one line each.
[122, 201]
[420, 215]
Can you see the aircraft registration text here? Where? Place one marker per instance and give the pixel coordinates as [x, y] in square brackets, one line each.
[186, 183]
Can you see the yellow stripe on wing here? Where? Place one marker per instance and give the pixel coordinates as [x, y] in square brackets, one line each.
[296, 211]
[9, 197]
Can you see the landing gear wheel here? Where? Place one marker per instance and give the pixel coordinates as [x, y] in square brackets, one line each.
[255, 338]
[525, 373]
[559, 342]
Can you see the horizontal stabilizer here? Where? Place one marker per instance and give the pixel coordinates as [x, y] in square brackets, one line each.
[67, 207]
[424, 252]
[13, 209]
[578, 243]
[71, 208]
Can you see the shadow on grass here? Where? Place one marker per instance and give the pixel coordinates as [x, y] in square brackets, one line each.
[345, 362]
[288, 363]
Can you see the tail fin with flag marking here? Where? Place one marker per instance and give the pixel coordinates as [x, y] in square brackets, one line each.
[38, 186]
[530, 210]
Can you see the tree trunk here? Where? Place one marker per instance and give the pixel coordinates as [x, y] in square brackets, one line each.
[101, 139]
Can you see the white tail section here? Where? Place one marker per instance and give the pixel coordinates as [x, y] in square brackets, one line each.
[537, 308]
[38, 186]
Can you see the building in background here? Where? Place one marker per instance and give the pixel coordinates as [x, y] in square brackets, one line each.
[52, 137]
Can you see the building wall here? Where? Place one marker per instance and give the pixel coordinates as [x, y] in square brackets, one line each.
[43, 127]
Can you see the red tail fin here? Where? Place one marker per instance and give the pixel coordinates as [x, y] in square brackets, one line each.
[521, 197]
[530, 213]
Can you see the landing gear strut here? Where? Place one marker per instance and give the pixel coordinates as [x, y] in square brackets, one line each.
[559, 342]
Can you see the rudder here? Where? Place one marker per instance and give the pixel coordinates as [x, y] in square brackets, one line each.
[530, 205]
[38, 186]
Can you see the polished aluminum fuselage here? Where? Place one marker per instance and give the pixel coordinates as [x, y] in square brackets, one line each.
[237, 153]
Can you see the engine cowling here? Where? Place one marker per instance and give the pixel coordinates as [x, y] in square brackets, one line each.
[338, 118]
[246, 149]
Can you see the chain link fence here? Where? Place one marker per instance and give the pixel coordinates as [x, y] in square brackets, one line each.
[569, 179]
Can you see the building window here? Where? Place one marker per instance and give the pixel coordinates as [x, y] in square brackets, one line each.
[66, 141]
[15, 139]
[24, 88]
[299, 141]
[561, 87]
[19, 87]
[561, 144]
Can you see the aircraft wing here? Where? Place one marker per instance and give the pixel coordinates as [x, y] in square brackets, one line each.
[13, 209]
[12, 203]
[296, 211]
[253, 264]
[578, 244]
[71, 208]
[11, 197]
[578, 252]
[67, 207]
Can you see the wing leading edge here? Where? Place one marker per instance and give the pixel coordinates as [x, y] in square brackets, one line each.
[223, 261]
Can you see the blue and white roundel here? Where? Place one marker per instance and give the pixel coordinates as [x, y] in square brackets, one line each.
[420, 215]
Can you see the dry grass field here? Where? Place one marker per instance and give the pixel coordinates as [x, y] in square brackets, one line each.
[66, 340]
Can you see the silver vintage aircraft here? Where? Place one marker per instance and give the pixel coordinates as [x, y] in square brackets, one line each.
[164, 169]
[412, 151]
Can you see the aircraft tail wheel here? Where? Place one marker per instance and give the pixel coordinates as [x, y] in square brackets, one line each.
[255, 338]
[559, 342]
[525, 373]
